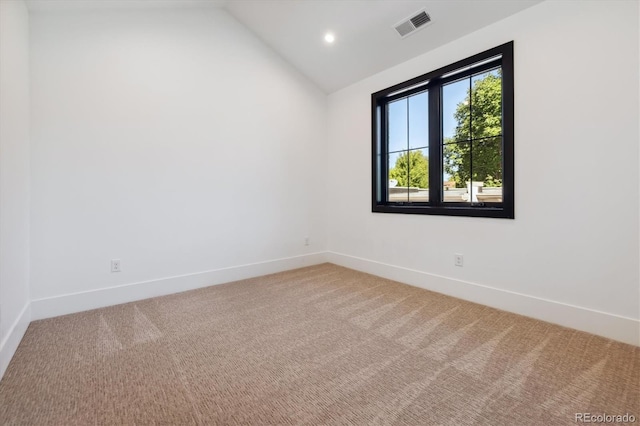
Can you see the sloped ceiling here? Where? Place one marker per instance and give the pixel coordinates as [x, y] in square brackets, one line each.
[366, 42]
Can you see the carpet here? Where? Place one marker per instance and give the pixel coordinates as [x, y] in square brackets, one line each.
[322, 345]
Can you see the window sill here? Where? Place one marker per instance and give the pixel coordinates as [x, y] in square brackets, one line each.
[466, 210]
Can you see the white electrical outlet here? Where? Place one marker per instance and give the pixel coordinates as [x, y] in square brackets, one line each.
[306, 241]
[115, 265]
[458, 260]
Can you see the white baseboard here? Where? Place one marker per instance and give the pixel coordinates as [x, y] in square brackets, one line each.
[11, 341]
[604, 324]
[93, 299]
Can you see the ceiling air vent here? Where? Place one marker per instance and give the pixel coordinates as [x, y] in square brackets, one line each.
[412, 24]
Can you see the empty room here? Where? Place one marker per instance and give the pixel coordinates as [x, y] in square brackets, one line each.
[319, 212]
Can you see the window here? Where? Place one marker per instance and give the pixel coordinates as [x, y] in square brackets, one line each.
[442, 143]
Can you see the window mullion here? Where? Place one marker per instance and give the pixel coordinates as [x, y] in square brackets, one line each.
[435, 145]
[408, 152]
[471, 140]
[384, 159]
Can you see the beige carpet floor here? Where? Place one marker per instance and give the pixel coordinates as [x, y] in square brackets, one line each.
[322, 345]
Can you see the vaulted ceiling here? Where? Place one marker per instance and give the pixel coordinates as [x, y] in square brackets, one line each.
[366, 42]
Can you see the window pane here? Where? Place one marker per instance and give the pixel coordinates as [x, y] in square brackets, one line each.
[456, 111]
[419, 120]
[398, 190]
[456, 168]
[419, 175]
[487, 170]
[398, 132]
[486, 104]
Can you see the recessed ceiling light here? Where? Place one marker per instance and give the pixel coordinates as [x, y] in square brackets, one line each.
[329, 38]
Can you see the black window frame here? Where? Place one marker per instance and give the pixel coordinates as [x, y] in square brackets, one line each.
[433, 82]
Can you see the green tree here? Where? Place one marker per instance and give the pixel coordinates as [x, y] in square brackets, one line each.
[411, 169]
[478, 116]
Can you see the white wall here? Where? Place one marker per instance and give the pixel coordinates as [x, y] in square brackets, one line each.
[571, 255]
[14, 177]
[173, 140]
